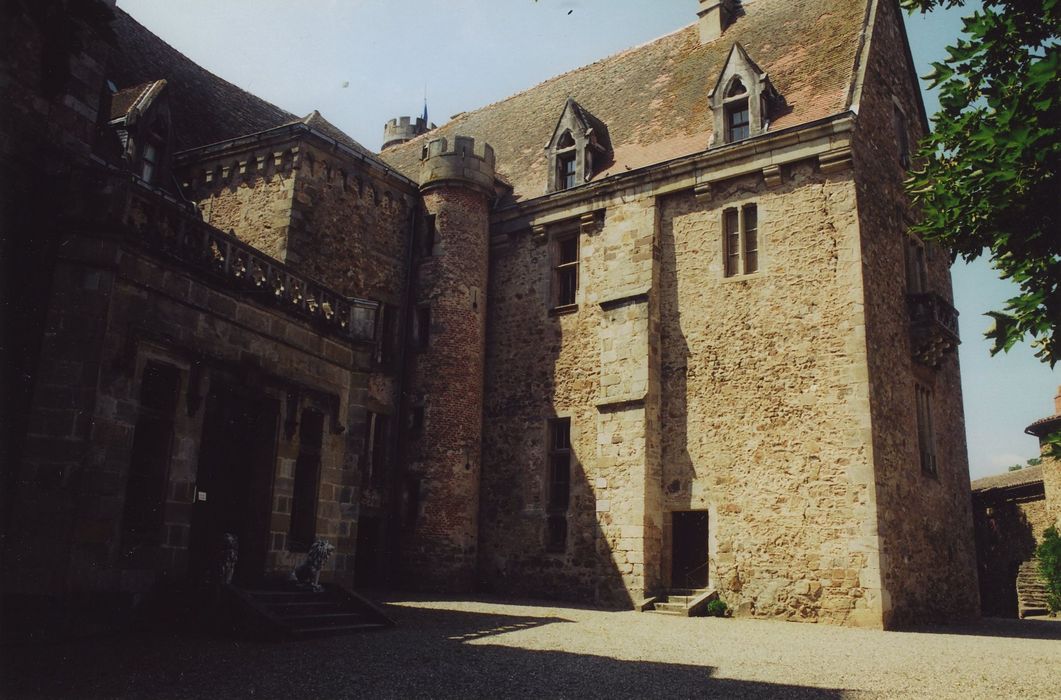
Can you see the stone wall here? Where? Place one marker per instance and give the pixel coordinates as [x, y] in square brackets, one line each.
[116, 307]
[924, 521]
[1009, 522]
[350, 227]
[445, 379]
[765, 407]
[254, 204]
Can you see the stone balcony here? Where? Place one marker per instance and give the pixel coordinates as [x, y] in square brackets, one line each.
[933, 328]
[171, 228]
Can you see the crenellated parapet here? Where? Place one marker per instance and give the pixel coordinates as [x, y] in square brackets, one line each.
[404, 129]
[464, 163]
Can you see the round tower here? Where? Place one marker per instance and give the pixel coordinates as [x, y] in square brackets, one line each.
[403, 129]
[446, 363]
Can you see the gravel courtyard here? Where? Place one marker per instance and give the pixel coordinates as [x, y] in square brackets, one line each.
[466, 649]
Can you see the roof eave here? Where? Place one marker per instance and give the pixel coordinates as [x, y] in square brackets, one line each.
[287, 132]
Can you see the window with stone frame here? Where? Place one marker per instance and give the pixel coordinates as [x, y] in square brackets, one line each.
[422, 327]
[926, 439]
[566, 163]
[150, 157]
[578, 148]
[740, 240]
[565, 270]
[364, 319]
[387, 335]
[742, 100]
[428, 236]
[902, 135]
[558, 494]
[415, 420]
[374, 449]
[737, 114]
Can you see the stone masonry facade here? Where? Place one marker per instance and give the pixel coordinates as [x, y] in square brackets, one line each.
[688, 344]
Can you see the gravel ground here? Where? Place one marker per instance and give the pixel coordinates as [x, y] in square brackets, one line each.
[464, 648]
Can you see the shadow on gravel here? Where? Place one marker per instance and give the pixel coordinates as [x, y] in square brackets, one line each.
[431, 653]
[1000, 627]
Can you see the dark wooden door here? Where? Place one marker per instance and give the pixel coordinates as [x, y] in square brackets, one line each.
[689, 555]
[234, 481]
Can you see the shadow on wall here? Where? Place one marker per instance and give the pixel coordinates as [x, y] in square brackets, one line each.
[540, 531]
[432, 652]
[679, 473]
[1004, 540]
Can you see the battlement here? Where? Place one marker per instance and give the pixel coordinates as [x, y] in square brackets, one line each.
[402, 129]
[463, 162]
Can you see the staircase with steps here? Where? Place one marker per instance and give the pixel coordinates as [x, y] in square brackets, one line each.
[1031, 590]
[293, 610]
[684, 602]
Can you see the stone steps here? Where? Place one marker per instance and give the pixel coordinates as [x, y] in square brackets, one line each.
[292, 610]
[1031, 590]
[683, 602]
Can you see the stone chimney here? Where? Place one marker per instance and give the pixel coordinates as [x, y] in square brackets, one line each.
[715, 16]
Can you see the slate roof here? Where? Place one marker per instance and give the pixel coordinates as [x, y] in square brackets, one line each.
[653, 98]
[206, 109]
[1020, 477]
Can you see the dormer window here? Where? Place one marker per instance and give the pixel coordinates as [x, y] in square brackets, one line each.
[578, 149]
[149, 162]
[741, 100]
[566, 162]
[738, 120]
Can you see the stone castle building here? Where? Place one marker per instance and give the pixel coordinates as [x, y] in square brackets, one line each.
[1011, 512]
[654, 323]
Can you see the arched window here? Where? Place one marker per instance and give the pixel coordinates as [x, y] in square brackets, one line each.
[741, 99]
[578, 148]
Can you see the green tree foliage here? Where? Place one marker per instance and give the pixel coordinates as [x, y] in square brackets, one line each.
[1049, 553]
[989, 180]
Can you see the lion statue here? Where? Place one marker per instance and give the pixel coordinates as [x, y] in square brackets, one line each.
[227, 558]
[309, 571]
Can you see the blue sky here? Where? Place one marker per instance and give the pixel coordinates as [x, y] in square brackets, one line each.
[362, 62]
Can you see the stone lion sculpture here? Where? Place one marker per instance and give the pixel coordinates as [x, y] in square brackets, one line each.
[227, 558]
[309, 571]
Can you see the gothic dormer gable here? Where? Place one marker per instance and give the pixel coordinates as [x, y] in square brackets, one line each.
[578, 149]
[741, 99]
[142, 120]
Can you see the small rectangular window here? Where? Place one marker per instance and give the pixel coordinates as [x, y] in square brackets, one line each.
[565, 271]
[925, 435]
[149, 162]
[751, 239]
[916, 268]
[740, 240]
[427, 242]
[902, 135]
[566, 166]
[380, 449]
[364, 318]
[558, 498]
[416, 420]
[386, 336]
[412, 502]
[374, 448]
[738, 121]
[422, 327]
